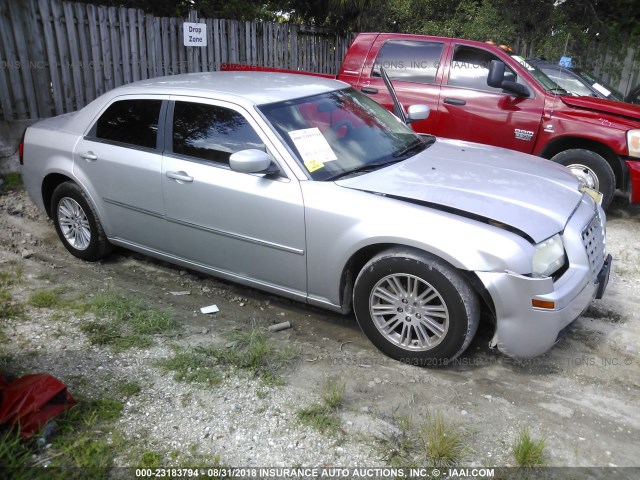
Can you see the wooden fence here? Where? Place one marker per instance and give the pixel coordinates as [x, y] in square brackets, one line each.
[55, 57]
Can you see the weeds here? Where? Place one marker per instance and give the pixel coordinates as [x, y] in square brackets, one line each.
[46, 298]
[254, 352]
[323, 416]
[527, 451]
[80, 442]
[14, 452]
[150, 459]
[129, 389]
[433, 443]
[12, 180]
[9, 308]
[192, 366]
[399, 444]
[122, 323]
[441, 443]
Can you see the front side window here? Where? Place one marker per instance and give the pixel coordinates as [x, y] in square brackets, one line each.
[470, 69]
[132, 122]
[210, 132]
[409, 60]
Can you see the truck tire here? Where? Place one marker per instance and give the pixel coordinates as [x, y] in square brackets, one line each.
[77, 224]
[592, 169]
[415, 307]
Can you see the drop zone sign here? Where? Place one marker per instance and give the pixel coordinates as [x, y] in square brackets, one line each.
[195, 34]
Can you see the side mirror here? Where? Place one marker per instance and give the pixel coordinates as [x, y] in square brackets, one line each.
[496, 80]
[252, 161]
[417, 112]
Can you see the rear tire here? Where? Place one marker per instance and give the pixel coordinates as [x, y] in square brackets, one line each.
[592, 169]
[415, 307]
[77, 224]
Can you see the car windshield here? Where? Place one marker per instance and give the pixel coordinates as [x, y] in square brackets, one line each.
[548, 84]
[343, 132]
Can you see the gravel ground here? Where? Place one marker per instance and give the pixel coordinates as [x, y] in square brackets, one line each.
[581, 396]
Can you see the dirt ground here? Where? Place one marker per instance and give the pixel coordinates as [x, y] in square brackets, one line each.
[582, 396]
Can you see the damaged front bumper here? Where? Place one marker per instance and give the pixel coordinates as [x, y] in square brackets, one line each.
[531, 313]
[524, 331]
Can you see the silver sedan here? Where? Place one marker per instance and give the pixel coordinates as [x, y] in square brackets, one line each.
[306, 188]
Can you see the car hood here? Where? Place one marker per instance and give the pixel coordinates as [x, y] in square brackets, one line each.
[603, 105]
[527, 193]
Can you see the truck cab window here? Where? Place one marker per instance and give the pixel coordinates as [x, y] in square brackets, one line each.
[470, 69]
[409, 60]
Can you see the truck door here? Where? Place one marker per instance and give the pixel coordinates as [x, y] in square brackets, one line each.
[414, 68]
[471, 110]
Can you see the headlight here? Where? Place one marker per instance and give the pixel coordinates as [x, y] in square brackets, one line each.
[633, 143]
[596, 195]
[549, 257]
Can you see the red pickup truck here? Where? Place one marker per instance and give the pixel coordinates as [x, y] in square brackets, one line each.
[482, 93]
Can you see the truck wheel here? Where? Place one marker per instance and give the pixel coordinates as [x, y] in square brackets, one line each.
[415, 307]
[592, 169]
[77, 223]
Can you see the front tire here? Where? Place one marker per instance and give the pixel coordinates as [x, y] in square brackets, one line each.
[592, 169]
[415, 307]
[77, 224]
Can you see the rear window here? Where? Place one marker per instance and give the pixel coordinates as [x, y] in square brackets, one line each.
[132, 122]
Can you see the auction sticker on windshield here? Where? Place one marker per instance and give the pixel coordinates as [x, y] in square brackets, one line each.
[313, 147]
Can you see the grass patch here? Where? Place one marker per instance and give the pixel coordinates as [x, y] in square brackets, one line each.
[129, 389]
[323, 416]
[123, 322]
[527, 451]
[81, 441]
[12, 180]
[9, 308]
[442, 443]
[14, 452]
[398, 444]
[433, 443]
[150, 459]
[253, 351]
[192, 366]
[46, 298]
[319, 417]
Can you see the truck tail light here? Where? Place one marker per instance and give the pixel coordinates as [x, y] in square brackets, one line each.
[21, 149]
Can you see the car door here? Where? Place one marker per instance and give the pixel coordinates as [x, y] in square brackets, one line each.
[119, 162]
[469, 109]
[413, 66]
[245, 226]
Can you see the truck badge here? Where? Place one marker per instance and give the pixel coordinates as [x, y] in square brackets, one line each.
[523, 134]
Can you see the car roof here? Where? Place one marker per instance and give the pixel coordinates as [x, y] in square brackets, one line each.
[255, 87]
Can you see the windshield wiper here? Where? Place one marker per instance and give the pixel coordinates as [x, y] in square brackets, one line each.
[369, 167]
[418, 143]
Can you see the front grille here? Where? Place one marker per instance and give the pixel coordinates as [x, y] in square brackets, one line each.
[594, 243]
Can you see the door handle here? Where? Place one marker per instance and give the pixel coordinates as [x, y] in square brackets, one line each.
[180, 176]
[89, 156]
[369, 90]
[454, 101]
